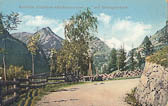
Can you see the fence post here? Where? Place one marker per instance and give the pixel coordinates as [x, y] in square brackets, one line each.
[46, 80]
[0, 93]
[27, 82]
[14, 86]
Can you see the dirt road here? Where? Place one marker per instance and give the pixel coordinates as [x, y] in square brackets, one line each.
[109, 93]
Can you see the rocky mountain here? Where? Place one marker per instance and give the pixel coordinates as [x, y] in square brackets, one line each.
[156, 43]
[17, 54]
[98, 46]
[156, 40]
[101, 52]
[48, 39]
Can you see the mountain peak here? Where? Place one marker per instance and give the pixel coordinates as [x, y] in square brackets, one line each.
[48, 39]
[46, 29]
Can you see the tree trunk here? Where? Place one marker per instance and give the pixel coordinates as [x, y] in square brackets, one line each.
[90, 67]
[32, 65]
[118, 65]
[4, 64]
[66, 77]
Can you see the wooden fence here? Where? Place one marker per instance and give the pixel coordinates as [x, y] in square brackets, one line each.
[11, 90]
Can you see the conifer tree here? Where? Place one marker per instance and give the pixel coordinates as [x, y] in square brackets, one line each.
[148, 49]
[121, 58]
[140, 60]
[132, 61]
[112, 65]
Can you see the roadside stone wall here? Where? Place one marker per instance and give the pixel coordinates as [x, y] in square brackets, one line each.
[120, 74]
[153, 86]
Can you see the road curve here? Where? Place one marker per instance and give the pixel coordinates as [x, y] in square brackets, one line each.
[109, 93]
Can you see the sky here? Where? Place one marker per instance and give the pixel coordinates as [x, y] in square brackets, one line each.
[120, 21]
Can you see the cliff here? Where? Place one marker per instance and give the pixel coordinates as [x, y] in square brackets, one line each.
[153, 86]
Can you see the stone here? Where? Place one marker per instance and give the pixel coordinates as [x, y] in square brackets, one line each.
[153, 87]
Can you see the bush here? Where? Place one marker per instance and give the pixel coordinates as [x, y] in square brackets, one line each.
[130, 98]
[14, 72]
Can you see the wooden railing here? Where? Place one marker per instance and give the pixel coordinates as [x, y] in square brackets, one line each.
[11, 90]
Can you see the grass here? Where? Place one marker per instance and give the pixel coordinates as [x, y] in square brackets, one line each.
[130, 98]
[160, 57]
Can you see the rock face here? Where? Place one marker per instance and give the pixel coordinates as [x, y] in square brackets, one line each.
[153, 86]
[155, 39]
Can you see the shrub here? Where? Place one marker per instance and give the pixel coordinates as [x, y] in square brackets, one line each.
[14, 72]
[130, 98]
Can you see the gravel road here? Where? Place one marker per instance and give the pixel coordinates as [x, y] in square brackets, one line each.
[108, 93]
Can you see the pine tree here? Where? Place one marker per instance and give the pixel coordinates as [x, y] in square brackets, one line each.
[140, 60]
[121, 58]
[112, 65]
[148, 49]
[132, 61]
